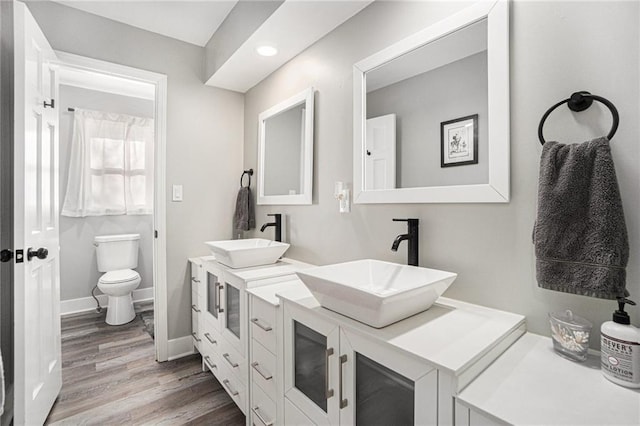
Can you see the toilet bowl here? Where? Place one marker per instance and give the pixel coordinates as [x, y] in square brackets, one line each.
[117, 255]
[118, 285]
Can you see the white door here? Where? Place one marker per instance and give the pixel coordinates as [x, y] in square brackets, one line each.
[37, 278]
[380, 153]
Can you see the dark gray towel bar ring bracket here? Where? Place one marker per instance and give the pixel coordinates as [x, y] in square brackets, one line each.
[249, 173]
[579, 101]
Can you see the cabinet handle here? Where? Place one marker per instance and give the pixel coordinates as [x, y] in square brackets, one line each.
[228, 358]
[195, 280]
[196, 337]
[266, 327]
[219, 286]
[229, 388]
[265, 376]
[194, 308]
[328, 393]
[255, 411]
[208, 336]
[343, 361]
[207, 360]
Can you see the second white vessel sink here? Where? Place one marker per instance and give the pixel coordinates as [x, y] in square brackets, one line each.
[248, 252]
[374, 292]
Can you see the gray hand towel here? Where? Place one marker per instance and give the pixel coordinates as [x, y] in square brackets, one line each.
[580, 234]
[244, 217]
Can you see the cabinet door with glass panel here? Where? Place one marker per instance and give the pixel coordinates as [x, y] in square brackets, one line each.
[335, 376]
[233, 319]
[311, 347]
[213, 288]
[379, 385]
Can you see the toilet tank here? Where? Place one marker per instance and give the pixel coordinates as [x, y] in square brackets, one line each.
[117, 251]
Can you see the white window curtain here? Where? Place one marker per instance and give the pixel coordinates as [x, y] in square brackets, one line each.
[111, 165]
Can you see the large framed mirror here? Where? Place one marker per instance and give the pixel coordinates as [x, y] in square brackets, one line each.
[285, 151]
[431, 113]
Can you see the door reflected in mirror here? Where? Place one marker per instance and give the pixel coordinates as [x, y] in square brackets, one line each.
[286, 151]
[408, 100]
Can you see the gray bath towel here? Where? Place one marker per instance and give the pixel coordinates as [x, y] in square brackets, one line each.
[244, 217]
[580, 234]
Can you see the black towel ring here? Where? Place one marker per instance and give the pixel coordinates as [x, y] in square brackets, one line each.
[579, 101]
[249, 173]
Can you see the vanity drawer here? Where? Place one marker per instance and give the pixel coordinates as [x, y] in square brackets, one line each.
[232, 360]
[234, 387]
[263, 409]
[263, 368]
[212, 362]
[263, 323]
[195, 277]
[195, 329]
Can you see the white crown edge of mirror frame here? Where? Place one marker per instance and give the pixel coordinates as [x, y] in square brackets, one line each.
[497, 190]
[307, 97]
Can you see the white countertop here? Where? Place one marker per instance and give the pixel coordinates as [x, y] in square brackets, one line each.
[531, 385]
[451, 335]
[201, 259]
[282, 267]
[292, 286]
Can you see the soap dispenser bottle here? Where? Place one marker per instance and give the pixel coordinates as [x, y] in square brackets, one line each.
[620, 348]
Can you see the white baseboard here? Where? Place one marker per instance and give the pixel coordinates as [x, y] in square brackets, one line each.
[84, 304]
[180, 347]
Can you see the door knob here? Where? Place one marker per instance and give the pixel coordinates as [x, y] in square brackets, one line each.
[40, 253]
[6, 255]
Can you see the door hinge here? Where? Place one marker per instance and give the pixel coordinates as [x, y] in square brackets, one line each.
[155, 233]
[19, 256]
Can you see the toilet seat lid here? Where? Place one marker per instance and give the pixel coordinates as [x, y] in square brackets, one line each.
[119, 276]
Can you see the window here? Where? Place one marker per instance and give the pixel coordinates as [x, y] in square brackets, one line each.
[111, 165]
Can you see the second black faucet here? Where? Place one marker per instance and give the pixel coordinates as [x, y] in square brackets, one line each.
[277, 223]
[412, 240]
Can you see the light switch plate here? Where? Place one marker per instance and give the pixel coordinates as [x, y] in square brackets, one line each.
[177, 193]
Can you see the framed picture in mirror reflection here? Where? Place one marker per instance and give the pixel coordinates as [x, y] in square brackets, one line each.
[459, 141]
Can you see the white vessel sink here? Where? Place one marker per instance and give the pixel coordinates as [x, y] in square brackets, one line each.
[374, 292]
[246, 253]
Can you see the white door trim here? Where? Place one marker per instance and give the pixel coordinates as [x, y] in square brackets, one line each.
[161, 329]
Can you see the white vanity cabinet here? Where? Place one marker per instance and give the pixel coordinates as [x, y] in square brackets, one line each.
[531, 384]
[265, 350]
[334, 376]
[223, 328]
[338, 371]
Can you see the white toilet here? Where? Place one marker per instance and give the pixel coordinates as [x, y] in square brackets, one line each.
[117, 256]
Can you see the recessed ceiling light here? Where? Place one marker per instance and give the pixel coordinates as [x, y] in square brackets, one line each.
[266, 50]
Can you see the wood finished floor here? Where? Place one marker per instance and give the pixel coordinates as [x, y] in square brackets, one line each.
[110, 377]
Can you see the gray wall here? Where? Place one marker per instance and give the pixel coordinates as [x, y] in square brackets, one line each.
[78, 267]
[204, 135]
[489, 245]
[421, 103]
[283, 142]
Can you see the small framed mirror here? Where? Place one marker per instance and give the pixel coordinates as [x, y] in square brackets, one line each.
[431, 113]
[285, 151]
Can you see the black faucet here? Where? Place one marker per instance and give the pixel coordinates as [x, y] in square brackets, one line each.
[277, 223]
[412, 240]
